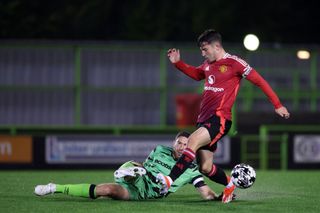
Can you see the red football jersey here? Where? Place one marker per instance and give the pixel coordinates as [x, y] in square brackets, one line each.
[222, 81]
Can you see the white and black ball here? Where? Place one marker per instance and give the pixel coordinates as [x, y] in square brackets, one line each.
[243, 176]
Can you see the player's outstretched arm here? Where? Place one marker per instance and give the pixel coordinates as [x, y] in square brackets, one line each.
[193, 72]
[259, 81]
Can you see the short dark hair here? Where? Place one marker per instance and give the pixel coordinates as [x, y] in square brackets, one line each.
[183, 134]
[209, 36]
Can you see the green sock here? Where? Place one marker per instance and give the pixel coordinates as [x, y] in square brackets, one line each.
[78, 190]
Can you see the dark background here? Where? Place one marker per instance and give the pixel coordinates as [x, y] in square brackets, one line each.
[155, 20]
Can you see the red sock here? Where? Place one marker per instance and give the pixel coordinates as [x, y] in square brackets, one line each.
[182, 164]
[218, 175]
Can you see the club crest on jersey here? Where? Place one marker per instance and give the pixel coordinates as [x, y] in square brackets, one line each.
[223, 68]
[211, 79]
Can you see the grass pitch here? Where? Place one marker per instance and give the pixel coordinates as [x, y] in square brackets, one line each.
[273, 191]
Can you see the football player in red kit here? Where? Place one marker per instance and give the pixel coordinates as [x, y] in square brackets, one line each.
[222, 73]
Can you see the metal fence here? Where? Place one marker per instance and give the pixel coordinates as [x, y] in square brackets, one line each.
[122, 84]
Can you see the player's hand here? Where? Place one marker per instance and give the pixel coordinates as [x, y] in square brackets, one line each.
[283, 112]
[174, 55]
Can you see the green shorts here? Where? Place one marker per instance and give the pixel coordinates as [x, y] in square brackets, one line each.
[141, 187]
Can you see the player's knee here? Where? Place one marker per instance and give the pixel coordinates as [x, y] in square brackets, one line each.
[104, 190]
[193, 144]
[197, 140]
[205, 168]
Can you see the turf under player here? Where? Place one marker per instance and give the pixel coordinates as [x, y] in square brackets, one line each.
[138, 182]
[222, 73]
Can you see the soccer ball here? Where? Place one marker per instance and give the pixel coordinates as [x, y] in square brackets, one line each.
[243, 176]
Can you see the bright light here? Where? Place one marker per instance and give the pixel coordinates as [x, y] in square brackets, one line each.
[303, 54]
[251, 42]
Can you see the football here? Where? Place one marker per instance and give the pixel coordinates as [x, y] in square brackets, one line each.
[243, 176]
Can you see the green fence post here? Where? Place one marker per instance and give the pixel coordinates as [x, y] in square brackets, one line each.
[248, 100]
[263, 134]
[284, 152]
[13, 131]
[313, 79]
[77, 75]
[163, 86]
[233, 129]
[243, 149]
[296, 96]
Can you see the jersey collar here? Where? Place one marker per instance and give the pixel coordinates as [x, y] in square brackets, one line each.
[226, 55]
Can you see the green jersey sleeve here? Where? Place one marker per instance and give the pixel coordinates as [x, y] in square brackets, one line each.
[161, 160]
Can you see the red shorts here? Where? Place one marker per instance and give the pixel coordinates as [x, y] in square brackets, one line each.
[217, 128]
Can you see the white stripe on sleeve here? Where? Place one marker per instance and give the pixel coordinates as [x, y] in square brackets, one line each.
[197, 180]
[247, 71]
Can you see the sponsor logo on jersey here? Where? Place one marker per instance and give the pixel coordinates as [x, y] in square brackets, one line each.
[223, 68]
[211, 79]
[214, 89]
[163, 164]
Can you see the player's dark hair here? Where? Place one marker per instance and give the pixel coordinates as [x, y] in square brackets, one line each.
[183, 134]
[209, 36]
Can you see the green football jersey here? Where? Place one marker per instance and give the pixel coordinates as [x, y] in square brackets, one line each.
[161, 160]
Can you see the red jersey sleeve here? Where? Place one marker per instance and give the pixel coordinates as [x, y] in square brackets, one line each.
[254, 77]
[196, 73]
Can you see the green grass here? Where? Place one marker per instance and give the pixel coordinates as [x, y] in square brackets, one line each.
[273, 191]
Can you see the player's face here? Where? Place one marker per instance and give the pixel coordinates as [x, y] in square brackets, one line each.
[179, 145]
[209, 51]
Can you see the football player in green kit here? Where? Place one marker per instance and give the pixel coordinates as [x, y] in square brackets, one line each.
[134, 181]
